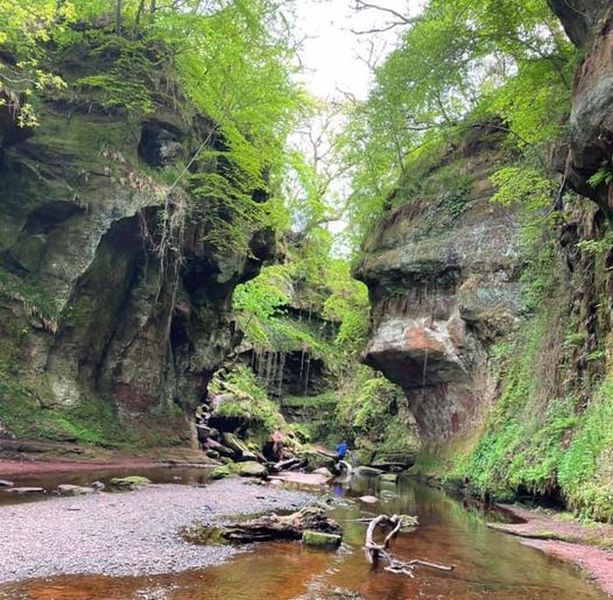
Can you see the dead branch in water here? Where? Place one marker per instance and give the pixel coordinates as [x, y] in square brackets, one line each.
[375, 551]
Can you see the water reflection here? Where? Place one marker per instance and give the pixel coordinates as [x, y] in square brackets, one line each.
[488, 565]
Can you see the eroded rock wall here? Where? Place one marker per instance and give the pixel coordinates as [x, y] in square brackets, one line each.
[443, 280]
[90, 307]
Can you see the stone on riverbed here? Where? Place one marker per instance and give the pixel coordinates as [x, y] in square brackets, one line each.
[324, 472]
[129, 483]
[251, 468]
[315, 460]
[368, 499]
[389, 477]
[222, 472]
[67, 489]
[321, 540]
[26, 490]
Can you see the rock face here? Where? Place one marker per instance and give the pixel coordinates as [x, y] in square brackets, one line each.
[443, 282]
[98, 302]
[579, 17]
[591, 119]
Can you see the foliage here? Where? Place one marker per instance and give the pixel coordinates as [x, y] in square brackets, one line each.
[585, 469]
[309, 282]
[459, 63]
[601, 176]
[373, 412]
[250, 401]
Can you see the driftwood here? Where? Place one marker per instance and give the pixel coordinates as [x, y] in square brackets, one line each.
[290, 527]
[375, 552]
[286, 465]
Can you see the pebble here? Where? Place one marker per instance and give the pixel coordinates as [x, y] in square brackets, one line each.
[134, 534]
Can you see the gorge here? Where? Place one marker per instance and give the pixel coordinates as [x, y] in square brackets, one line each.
[426, 274]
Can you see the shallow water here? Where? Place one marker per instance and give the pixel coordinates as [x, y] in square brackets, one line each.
[50, 481]
[488, 565]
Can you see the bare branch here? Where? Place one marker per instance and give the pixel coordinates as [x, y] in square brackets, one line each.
[403, 19]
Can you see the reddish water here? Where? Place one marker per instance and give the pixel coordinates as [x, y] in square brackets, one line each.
[488, 565]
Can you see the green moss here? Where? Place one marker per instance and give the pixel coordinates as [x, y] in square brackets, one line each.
[249, 402]
[317, 539]
[223, 471]
[130, 482]
[325, 401]
[33, 299]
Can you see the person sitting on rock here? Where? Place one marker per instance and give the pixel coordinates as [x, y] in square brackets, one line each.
[341, 451]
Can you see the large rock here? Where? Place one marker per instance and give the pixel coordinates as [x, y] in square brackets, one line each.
[318, 539]
[131, 482]
[90, 312]
[443, 282]
[589, 24]
[67, 489]
[579, 17]
[251, 469]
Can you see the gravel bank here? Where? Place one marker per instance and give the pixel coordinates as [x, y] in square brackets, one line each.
[130, 533]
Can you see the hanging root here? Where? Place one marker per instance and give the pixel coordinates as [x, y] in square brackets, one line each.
[376, 552]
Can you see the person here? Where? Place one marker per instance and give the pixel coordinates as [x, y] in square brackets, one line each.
[341, 450]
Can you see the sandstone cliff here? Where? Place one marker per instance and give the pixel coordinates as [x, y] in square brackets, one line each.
[113, 300]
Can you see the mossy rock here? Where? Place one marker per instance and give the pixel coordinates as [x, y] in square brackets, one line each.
[223, 471]
[251, 469]
[129, 483]
[318, 539]
[316, 460]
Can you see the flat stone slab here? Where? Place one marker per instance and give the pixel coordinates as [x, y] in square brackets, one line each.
[26, 490]
[368, 499]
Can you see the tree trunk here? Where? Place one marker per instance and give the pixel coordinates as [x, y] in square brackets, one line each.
[118, 8]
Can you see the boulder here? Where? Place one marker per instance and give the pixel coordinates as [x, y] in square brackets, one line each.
[6, 483]
[241, 449]
[321, 540]
[315, 460]
[324, 473]
[251, 468]
[97, 486]
[131, 482]
[67, 489]
[222, 472]
[224, 451]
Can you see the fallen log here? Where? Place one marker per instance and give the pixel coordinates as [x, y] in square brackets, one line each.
[286, 465]
[290, 527]
[375, 551]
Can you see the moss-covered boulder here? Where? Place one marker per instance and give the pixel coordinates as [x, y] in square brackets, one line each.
[251, 468]
[131, 482]
[317, 539]
[223, 471]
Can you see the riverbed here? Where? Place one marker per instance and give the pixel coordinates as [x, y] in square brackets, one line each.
[487, 564]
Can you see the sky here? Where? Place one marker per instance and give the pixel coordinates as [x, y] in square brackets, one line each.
[335, 61]
[331, 51]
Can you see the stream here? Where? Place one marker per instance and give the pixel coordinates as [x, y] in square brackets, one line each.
[488, 565]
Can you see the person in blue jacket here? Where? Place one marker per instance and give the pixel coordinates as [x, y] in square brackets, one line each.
[341, 450]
